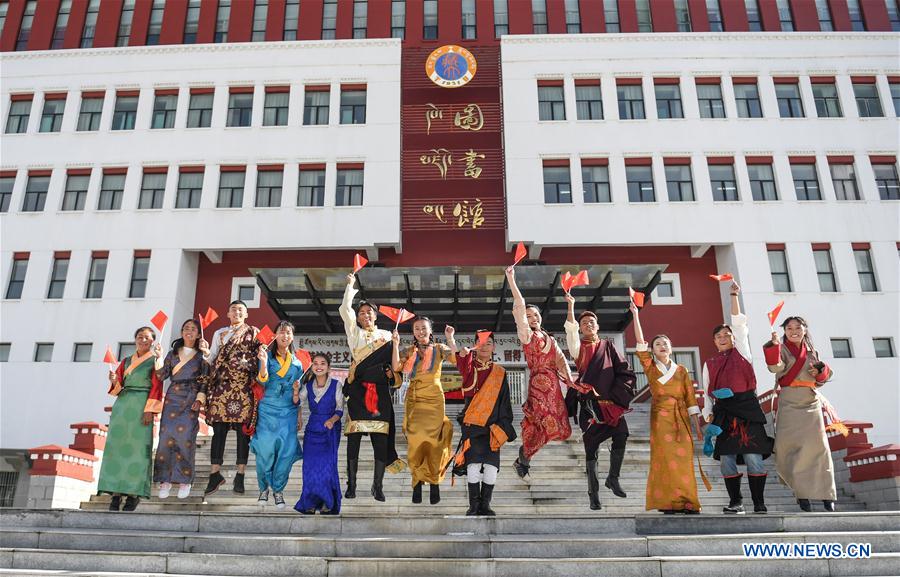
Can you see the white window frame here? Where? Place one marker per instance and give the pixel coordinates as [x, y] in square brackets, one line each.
[238, 282]
[675, 279]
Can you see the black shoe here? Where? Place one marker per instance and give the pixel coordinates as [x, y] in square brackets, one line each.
[735, 499]
[377, 492]
[131, 503]
[593, 486]
[238, 484]
[216, 480]
[352, 467]
[434, 494]
[417, 493]
[757, 492]
[668, 511]
[829, 506]
[616, 457]
[115, 503]
[485, 507]
[804, 505]
[612, 483]
[474, 499]
[521, 464]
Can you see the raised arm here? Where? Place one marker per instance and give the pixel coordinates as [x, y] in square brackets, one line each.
[573, 340]
[739, 326]
[638, 331]
[396, 365]
[523, 331]
[347, 312]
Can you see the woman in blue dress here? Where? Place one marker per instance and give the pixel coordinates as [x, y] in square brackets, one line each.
[275, 441]
[322, 436]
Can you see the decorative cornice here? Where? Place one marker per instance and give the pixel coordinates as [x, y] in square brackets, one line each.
[693, 37]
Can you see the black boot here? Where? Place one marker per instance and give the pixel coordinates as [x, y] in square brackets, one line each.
[115, 503]
[829, 506]
[474, 499]
[352, 467]
[216, 480]
[238, 483]
[735, 499]
[434, 494]
[593, 485]
[131, 503]
[485, 507]
[521, 464]
[804, 505]
[377, 493]
[757, 489]
[417, 493]
[616, 456]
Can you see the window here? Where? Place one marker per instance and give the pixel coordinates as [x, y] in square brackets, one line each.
[190, 187]
[19, 111]
[668, 101]
[762, 181]
[611, 15]
[268, 188]
[36, 193]
[825, 270]
[398, 18]
[825, 95]
[588, 101]
[4, 8]
[573, 17]
[231, 189]
[640, 183]
[17, 277]
[884, 347]
[539, 16]
[329, 19]
[349, 190]
[778, 266]
[126, 350]
[665, 290]
[291, 19]
[153, 188]
[887, 181]
[200, 110]
[62, 20]
[360, 18]
[430, 20]
[192, 22]
[140, 272]
[156, 20]
[746, 97]
[76, 191]
[551, 102]
[866, 269]
[709, 97]
[353, 106]
[164, 111]
[81, 353]
[856, 19]
[43, 352]
[840, 349]
[595, 179]
[714, 13]
[6, 188]
[469, 29]
[96, 277]
[89, 115]
[557, 184]
[246, 293]
[683, 16]
[58, 273]
[275, 110]
[753, 20]
[125, 112]
[895, 96]
[240, 108]
[679, 182]
[631, 102]
[824, 12]
[806, 183]
[843, 177]
[260, 13]
[893, 9]
[501, 18]
[311, 191]
[723, 182]
[644, 21]
[112, 187]
[784, 15]
[25, 26]
[123, 34]
[315, 105]
[4, 358]
[789, 103]
[223, 15]
[867, 101]
[52, 115]
[90, 24]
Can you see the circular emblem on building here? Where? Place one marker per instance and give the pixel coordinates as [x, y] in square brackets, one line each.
[451, 66]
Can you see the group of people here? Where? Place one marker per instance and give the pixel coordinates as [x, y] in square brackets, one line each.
[262, 391]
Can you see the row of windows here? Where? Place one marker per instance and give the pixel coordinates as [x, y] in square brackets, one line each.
[722, 178]
[710, 100]
[59, 272]
[81, 352]
[828, 280]
[200, 108]
[348, 190]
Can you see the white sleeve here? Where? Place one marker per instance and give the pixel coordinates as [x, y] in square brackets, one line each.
[214, 347]
[349, 316]
[741, 332]
[704, 383]
[641, 347]
[338, 397]
[522, 328]
[573, 340]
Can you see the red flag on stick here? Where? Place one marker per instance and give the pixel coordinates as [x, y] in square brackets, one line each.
[721, 277]
[580, 279]
[637, 297]
[566, 281]
[304, 357]
[396, 315]
[109, 358]
[208, 318]
[773, 314]
[265, 336]
[483, 336]
[159, 320]
[359, 261]
[521, 253]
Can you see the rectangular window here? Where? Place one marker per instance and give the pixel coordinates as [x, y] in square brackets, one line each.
[867, 101]
[349, 191]
[843, 177]
[557, 185]
[19, 111]
[291, 19]
[784, 15]
[893, 10]
[668, 101]
[588, 101]
[36, 193]
[640, 184]
[268, 188]
[595, 179]
[709, 97]
[52, 115]
[824, 12]
[398, 19]
[840, 349]
[164, 111]
[329, 19]
[353, 106]
[43, 352]
[746, 97]
[469, 28]
[17, 277]
[240, 109]
[884, 347]
[123, 34]
[753, 20]
[315, 105]
[200, 110]
[112, 188]
[683, 16]
[89, 115]
[247, 293]
[311, 191]
[140, 272]
[192, 22]
[125, 112]
[714, 13]
[156, 21]
[825, 95]
[231, 189]
[6, 188]
[551, 102]
[631, 102]
[260, 13]
[190, 188]
[58, 274]
[887, 181]
[723, 182]
[866, 269]
[153, 188]
[90, 24]
[789, 103]
[539, 16]
[895, 96]
[825, 270]
[806, 183]
[125, 350]
[96, 277]
[856, 20]
[25, 26]
[762, 182]
[501, 18]
[81, 353]
[778, 266]
[611, 15]
[62, 20]
[644, 20]
[4, 358]
[679, 182]
[573, 17]
[223, 15]
[76, 191]
[360, 18]
[275, 110]
[430, 20]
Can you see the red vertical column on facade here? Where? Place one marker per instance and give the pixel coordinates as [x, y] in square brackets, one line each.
[275, 21]
[556, 17]
[108, 23]
[840, 15]
[521, 19]
[484, 20]
[874, 13]
[768, 13]
[734, 16]
[699, 17]
[11, 28]
[662, 14]
[310, 26]
[806, 17]
[174, 17]
[628, 16]
[415, 20]
[591, 16]
[43, 25]
[449, 20]
[379, 19]
[344, 25]
[240, 23]
[77, 16]
[206, 26]
[140, 22]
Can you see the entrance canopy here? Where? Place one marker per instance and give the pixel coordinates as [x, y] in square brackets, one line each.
[469, 298]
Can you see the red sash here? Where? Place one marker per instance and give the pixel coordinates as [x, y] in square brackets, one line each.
[800, 361]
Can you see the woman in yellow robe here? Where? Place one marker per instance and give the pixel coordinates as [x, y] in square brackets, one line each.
[428, 430]
[671, 485]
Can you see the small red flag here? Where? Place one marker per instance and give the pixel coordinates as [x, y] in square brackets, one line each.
[521, 253]
[109, 358]
[566, 281]
[304, 357]
[637, 297]
[396, 315]
[265, 335]
[773, 314]
[208, 318]
[483, 336]
[159, 320]
[580, 279]
[721, 277]
[359, 261]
